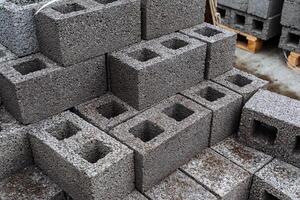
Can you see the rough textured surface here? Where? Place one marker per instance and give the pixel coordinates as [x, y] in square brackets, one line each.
[135, 195]
[249, 159]
[220, 48]
[241, 5]
[148, 72]
[164, 17]
[265, 8]
[278, 180]
[5, 54]
[84, 161]
[241, 82]
[164, 138]
[179, 186]
[30, 184]
[105, 112]
[219, 175]
[271, 123]
[291, 14]
[34, 87]
[290, 39]
[77, 30]
[225, 104]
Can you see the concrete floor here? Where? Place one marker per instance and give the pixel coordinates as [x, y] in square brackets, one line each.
[270, 64]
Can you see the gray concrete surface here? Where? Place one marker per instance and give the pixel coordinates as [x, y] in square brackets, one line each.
[241, 5]
[265, 8]
[290, 39]
[291, 14]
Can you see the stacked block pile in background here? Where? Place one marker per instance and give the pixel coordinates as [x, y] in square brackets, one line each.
[130, 99]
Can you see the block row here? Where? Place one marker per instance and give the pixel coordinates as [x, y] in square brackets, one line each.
[290, 39]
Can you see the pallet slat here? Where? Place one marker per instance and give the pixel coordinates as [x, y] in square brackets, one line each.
[294, 61]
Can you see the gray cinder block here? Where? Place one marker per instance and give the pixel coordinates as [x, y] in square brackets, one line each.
[148, 72]
[225, 14]
[219, 175]
[81, 159]
[225, 104]
[17, 27]
[5, 54]
[179, 185]
[220, 48]
[30, 183]
[135, 195]
[105, 112]
[34, 87]
[290, 39]
[249, 159]
[241, 82]
[164, 138]
[278, 180]
[271, 123]
[239, 20]
[265, 8]
[163, 17]
[291, 14]
[76, 30]
[241, 5]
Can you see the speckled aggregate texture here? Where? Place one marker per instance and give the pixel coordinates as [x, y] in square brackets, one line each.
[219, 175]
[291, 14]
[225, 104]
[30, 184]
[76, 30]
[34, 87]
[135, 195]
[249, 159]
[148, 72]
[220, 48]
[105, 112]
[5, 54]
[271, 123]
[241, 82]
[265, 8]
[278, 180]
[289, 39]
[163, 17]
[179, 186]
[241, 5]
[84, 161]
[164, 138]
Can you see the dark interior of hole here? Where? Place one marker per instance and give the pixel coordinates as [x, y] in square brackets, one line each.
[239, 80]
[258, 25]
[105, 1]
[174, 43]
[268, 196]
[68, 8]
[210, 94]
[30, 66]
[265, 132]
[64, 130]
[146, 131]
[143, 55]
[240, 20]
[93, 151]
[242, 39]
[222, 12]
[293, 39]
[297, 145]
[208, 32]
[178, 112]
[111, 109]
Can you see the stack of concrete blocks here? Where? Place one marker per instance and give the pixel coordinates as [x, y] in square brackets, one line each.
[260, 18]
[290, 19]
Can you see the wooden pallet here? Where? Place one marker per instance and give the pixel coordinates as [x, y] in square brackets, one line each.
[294, 61]
[245, 41]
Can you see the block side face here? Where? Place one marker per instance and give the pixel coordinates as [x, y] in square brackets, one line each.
[290, 14]
[265, 8]
[240, 5]
[290, 39]
[135, 195]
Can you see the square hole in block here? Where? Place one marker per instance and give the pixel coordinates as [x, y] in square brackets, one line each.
[210, 94]
[68, 8]
[265, 132]
[111, 109]
[293, 39]
[174, 43]
[2, 53]
[63, 130]
[143, 55]
[208, 32]
[239, 80]
[297, 145]
[106, 1]
[30, 66]
[258, 25]
[178, 112]
[222, 12]
[93, 151]
[268, 196]
[240, 20]
[146, 131]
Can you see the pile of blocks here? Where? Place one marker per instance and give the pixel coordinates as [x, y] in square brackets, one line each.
[136, 99]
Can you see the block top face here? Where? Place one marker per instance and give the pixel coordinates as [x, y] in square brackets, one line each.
[249, 159]
[211, 95]
[27, 68]
[7, 122]
[135, 195]
[21, 5]
[106, 111]
[80, 143]
[283, 177]
[275, 106]
[179, 186]
[5, 54]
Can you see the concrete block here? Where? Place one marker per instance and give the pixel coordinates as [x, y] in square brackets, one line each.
[219, 175]
[105, 112]
[164, 138]
[5, 54]
[249, 159]
[15, 152]
[220, 48]
[270, 123]
[265, 8]
[179, 186]
[225, 14]
[148, 72]
[290, 39]
[225, 104]
[278, 180]
[291, 14]
[135, 195]
[30, 183]
[76, 30]
[17, 27]
[241, 5]
[241, 82]
[239, 20]
[34, 87]
[81, 159]
[163, 17]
